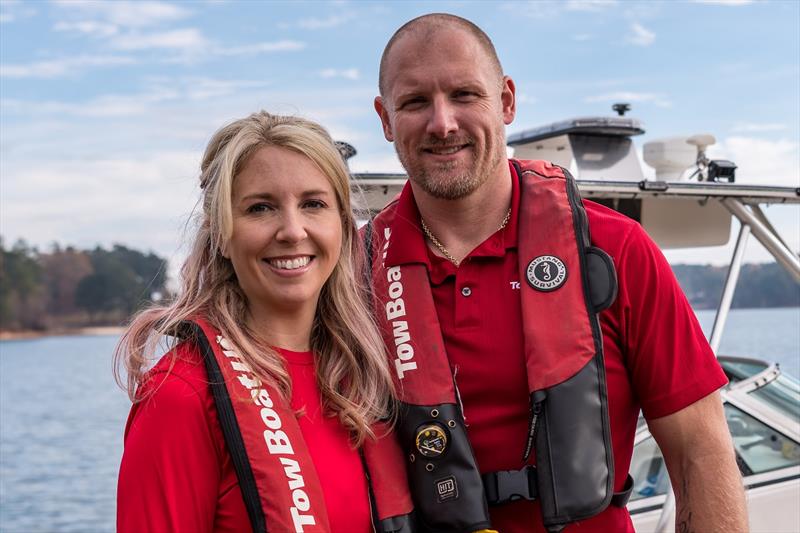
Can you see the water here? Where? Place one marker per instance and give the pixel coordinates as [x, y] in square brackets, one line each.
[771, 334]
[62, 418]
[61, 423]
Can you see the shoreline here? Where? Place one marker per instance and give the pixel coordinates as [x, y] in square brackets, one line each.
[84, 331]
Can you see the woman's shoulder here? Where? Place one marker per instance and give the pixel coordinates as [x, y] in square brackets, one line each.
[175, 392]
[181, 367]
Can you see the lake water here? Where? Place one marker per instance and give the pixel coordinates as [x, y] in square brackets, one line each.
[62, 418]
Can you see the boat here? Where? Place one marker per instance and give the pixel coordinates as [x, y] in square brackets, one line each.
[690, 203]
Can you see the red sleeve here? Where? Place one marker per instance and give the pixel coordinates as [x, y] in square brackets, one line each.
[170, 474]
[670, 362]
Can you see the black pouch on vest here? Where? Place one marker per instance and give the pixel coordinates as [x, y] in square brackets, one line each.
[448, 490]
[574, 460]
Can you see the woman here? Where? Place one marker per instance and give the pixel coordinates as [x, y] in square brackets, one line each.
[260, 415]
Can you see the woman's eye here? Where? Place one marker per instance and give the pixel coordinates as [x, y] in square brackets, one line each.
[315, 204]
[259, 208]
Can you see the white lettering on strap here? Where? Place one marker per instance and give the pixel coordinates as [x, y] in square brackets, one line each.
[276, 439]
[396, 309]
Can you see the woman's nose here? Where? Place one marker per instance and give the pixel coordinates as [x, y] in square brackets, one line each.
[292, 227]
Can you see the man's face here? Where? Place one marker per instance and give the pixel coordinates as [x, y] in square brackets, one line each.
[445, 109]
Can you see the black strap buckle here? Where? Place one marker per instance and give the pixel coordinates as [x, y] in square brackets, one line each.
[510, 485]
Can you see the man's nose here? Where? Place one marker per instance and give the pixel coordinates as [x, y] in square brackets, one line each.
[442, 121]
[292, 227]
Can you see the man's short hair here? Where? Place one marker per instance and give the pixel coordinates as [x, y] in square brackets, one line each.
[431, 23]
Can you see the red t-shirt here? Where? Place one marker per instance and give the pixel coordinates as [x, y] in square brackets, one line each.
[656, 355]
[177, 475]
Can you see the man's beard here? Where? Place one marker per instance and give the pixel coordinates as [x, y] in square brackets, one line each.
[446, 181]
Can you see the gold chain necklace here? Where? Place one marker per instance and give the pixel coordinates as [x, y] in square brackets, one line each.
[439, 246]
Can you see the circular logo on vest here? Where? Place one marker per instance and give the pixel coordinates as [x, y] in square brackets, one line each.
[431, 440]
[546, 273]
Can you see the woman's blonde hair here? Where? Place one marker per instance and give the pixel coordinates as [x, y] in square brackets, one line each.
[352, 370]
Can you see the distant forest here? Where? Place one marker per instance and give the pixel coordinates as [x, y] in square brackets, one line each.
[66, 288]
[760, 285]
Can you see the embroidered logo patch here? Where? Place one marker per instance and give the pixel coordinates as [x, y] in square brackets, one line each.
[546, 273]
[446, 489]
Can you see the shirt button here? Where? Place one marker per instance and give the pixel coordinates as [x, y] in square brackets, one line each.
[466, 291]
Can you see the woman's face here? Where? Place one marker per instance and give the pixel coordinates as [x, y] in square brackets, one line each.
[287, 231]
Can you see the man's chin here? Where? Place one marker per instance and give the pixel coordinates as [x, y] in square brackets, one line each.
[448, 186]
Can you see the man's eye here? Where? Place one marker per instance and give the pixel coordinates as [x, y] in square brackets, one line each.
[412, 103]
[465, 95]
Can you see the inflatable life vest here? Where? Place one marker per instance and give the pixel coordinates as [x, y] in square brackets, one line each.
[568, 283]
[275, 471]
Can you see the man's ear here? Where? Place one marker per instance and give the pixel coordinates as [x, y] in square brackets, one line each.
[383, 113]
[508, 97]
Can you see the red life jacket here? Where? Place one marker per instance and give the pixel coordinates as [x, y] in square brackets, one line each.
[276, 474]
[568, 283]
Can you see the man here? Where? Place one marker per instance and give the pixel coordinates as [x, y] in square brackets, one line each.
[444, 103]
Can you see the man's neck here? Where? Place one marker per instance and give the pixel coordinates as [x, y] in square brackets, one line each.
[461, 225]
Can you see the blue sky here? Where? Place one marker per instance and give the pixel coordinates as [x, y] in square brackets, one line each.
[105, 107]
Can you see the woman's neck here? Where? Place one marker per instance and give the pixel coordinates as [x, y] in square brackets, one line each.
[291, 331]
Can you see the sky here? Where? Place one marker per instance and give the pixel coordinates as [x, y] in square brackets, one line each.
[106, 107]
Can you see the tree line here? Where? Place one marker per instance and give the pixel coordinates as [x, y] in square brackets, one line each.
[67, 288]
[759, 285]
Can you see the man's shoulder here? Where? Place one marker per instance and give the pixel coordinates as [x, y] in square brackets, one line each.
[609, 229]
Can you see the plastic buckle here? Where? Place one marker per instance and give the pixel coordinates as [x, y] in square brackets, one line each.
[510, 485]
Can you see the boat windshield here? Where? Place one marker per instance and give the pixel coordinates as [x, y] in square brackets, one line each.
[783, 393]
[738, 369]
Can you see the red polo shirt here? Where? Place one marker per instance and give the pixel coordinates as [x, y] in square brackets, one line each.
[656, 355]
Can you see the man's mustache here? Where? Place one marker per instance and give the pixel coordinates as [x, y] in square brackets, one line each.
[448, 142]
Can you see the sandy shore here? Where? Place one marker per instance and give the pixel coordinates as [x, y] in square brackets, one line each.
[100, 330]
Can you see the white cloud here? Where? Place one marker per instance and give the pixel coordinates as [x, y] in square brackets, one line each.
[13, 10]
[641, 36]
[158, 92]
[761, 161]
[534, 10]
[348, 74]
[590, 5]
[724, 2]
[750, 127]
[525, 98]
[208, 88]
[188, 39]
[625, 96]
[65, 66]
[387, 163]
[88, 27]
[125, 13]
[141, 202]
[330, 22]
[260, 48]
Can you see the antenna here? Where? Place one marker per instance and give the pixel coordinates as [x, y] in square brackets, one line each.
[621, 108]
[345, 149]
[701, 141]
